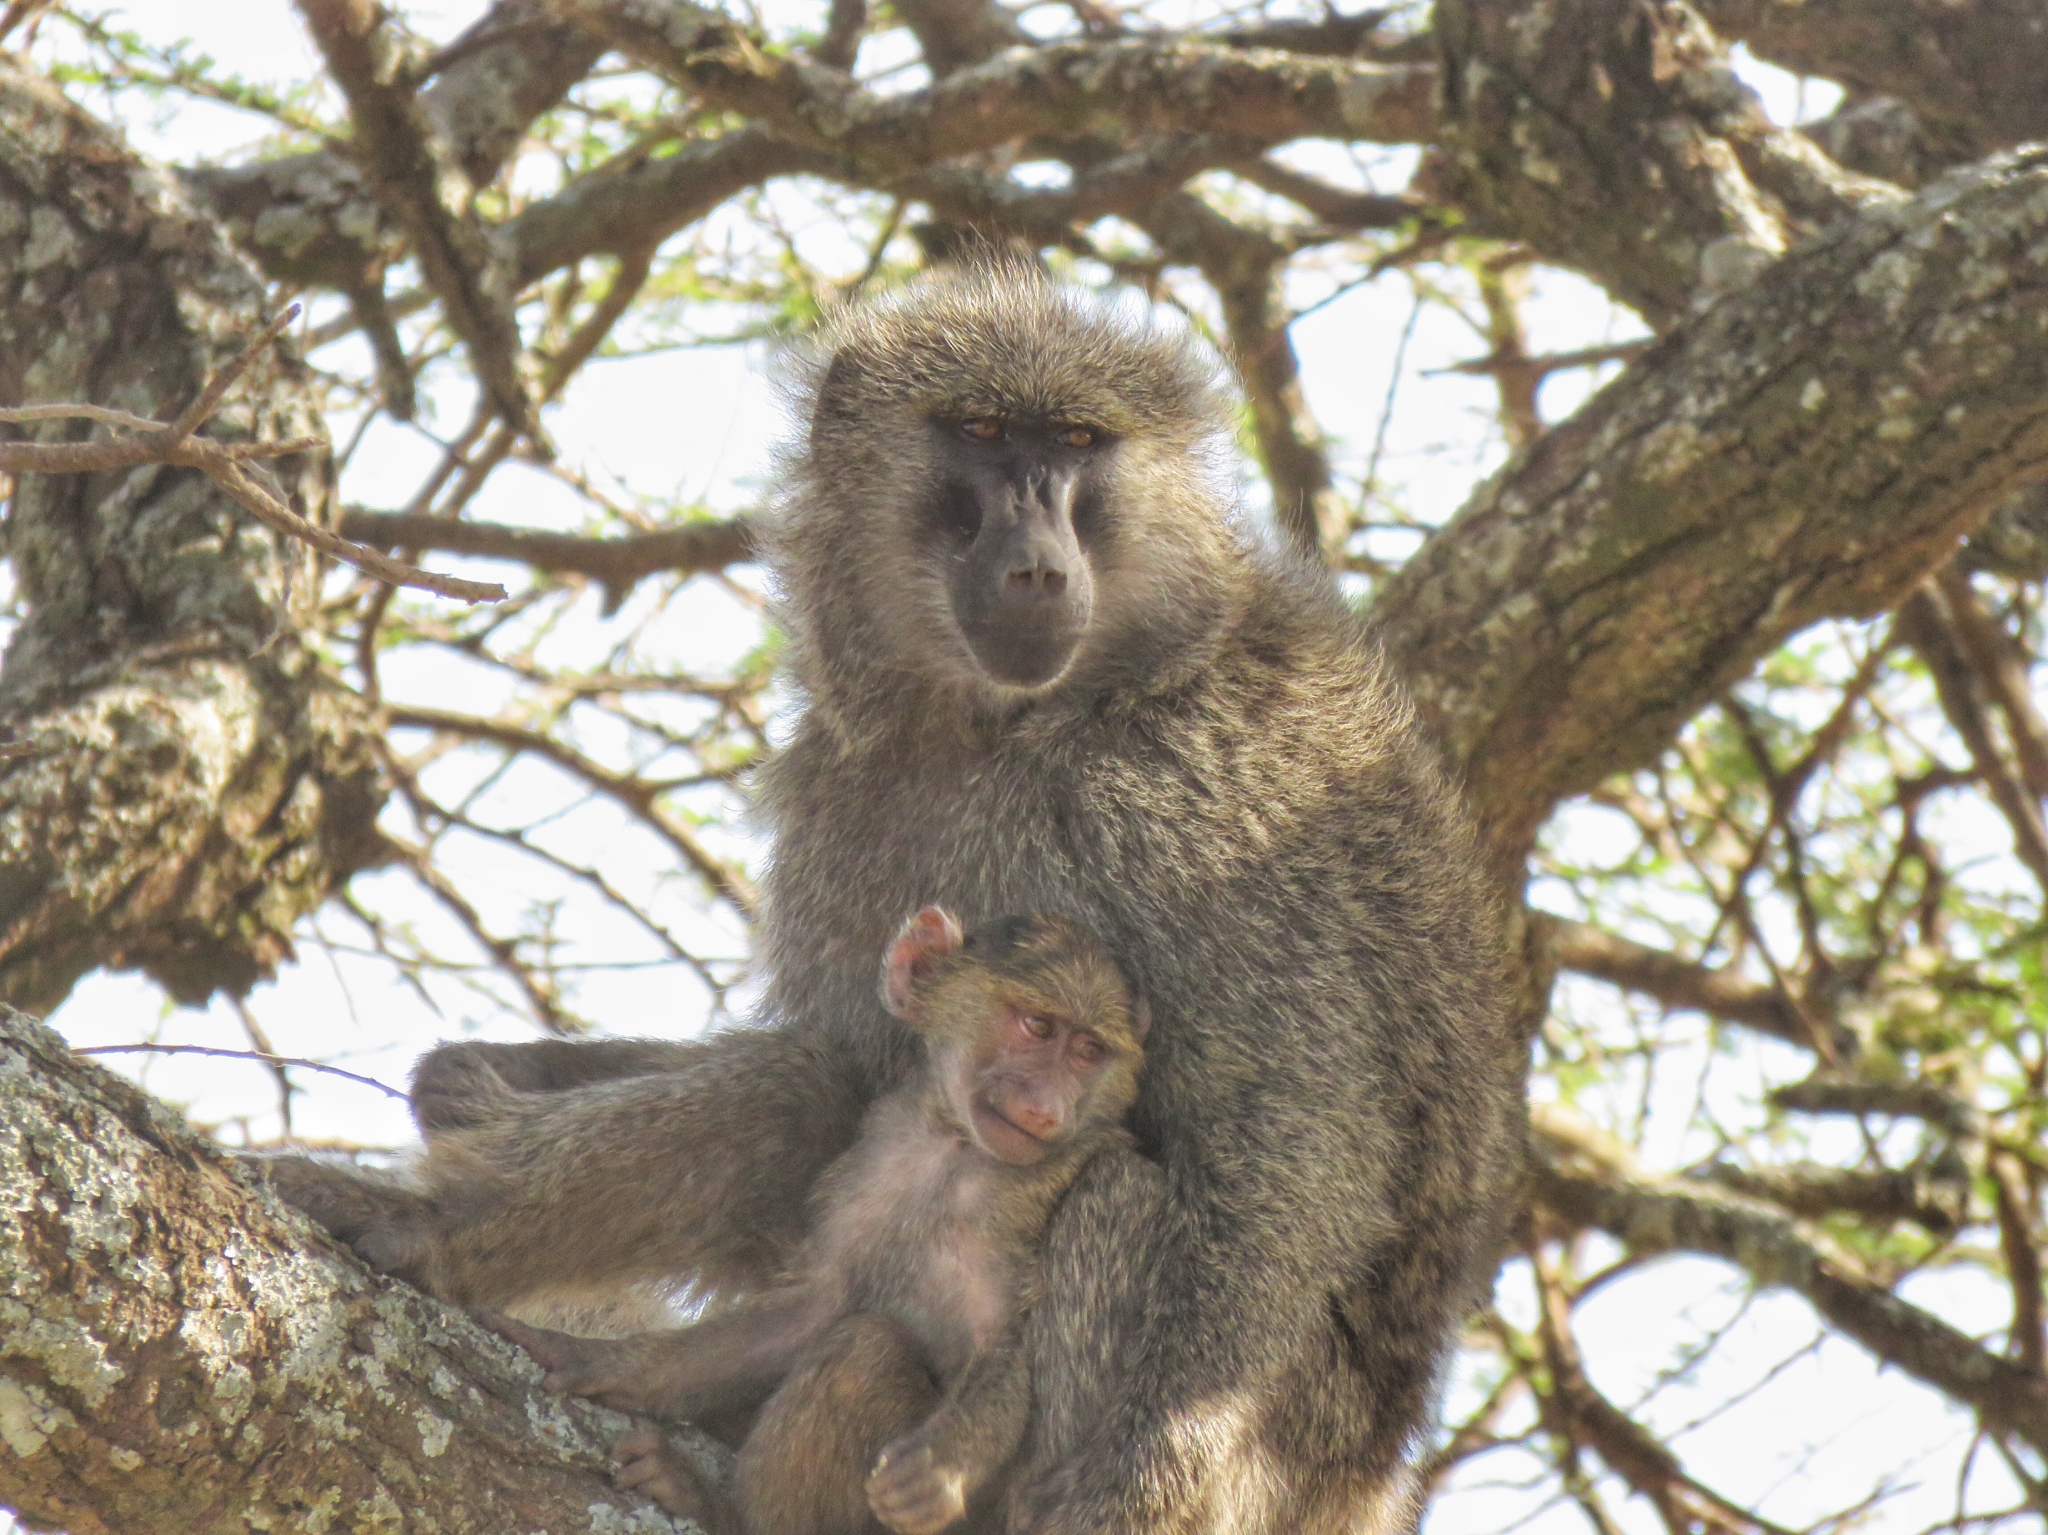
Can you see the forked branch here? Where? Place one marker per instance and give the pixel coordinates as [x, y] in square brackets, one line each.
[175, 443]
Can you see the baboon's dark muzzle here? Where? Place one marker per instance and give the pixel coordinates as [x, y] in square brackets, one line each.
[1021, 591]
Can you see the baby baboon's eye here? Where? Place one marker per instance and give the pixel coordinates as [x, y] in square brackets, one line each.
[1076, 436]
[982, 428]
[1038, 1026]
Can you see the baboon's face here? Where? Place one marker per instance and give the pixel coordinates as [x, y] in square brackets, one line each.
[1013, 504]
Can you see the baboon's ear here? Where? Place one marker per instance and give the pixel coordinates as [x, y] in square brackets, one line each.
[930, 935]
[843, 376]
[1141, 1017]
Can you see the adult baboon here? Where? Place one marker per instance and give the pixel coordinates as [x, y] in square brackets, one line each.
[1045, 669]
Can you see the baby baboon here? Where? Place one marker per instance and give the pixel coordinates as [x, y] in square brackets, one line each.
[908, 1294]
[1046, 668]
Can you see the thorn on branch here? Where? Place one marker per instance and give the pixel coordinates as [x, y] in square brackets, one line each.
[157, 442]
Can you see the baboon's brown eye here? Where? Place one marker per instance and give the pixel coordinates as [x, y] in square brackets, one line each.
[1077, 436]
[981, 428]
[1038, 1026]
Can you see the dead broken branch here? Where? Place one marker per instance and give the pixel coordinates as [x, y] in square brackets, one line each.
[155, 442]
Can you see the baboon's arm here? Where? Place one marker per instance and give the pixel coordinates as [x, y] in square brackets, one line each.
[700, 1171]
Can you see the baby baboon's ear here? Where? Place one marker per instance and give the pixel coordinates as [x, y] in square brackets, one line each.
[930, 935]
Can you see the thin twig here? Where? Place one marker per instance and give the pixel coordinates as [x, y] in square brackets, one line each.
[243, 1055]
[201, 410]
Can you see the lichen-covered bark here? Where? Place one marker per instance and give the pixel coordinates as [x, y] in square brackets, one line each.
[1807, 447]
[179, 777]
[1613, 136]
[1973, 72]
[181, 1353]
[312, 219]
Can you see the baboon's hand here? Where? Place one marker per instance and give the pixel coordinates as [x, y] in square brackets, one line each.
[390, 1227]
[650, 1466]
[613, 1372]
[459, 1085]
[912, 1491]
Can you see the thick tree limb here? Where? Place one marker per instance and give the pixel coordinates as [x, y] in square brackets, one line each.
[180, 1353]
[1124, 86]
[1807, 447]
[953, 34]
[1612, 136]
[1581, 1180]
[182, 781]
[1974, 72]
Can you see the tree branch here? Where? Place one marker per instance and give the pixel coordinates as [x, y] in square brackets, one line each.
[1584, 1181]
[1678, 983]
[1123, 86]
[695, 548]
[1925, 622]
[1632, 1452]
[1805, 448]
[636, 794]
[183, 1353]
[1938, 1204]
[1614, 138]
[1974, 72]
[311, 219]
[154, 442]
[183, 779]
[420, 182]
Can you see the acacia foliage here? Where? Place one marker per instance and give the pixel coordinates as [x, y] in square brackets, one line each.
[1739, 654]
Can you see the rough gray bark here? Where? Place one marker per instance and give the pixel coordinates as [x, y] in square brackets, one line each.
[1807, 447]
[183, 1355]
[1612, 136]
[180, 780]
[1974, 73]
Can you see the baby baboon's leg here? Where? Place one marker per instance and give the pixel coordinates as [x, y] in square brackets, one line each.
[804, 1469]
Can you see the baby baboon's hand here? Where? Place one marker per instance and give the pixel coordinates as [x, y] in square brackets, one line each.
[912, 1492]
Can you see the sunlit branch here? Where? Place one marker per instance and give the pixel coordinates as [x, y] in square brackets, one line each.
[1584, 1180]
[420, 182]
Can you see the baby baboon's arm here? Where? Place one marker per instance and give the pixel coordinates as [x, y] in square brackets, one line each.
[923, 1481]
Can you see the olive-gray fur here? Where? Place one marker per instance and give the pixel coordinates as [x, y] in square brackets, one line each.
[1243, 1325]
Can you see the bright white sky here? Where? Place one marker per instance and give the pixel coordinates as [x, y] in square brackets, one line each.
[699, 424]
